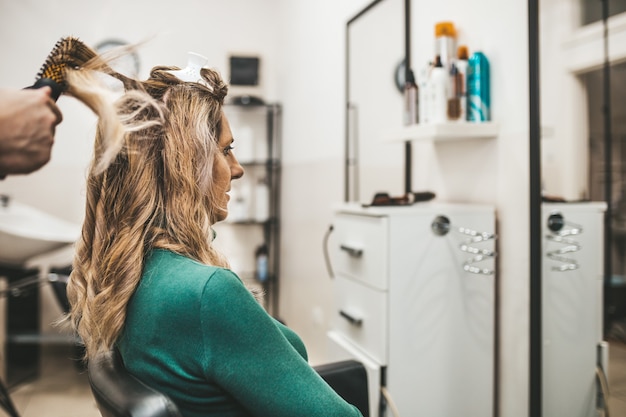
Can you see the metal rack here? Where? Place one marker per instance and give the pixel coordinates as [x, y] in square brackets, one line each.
[469, 239]
[257, 134]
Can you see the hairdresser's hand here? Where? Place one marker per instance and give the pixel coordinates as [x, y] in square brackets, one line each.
[27, 122]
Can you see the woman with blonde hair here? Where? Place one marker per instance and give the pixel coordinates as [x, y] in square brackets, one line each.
[147, 279]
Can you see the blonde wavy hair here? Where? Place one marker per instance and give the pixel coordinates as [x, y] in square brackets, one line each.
[149, 186]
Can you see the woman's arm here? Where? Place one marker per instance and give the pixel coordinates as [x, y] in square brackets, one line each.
[252, 359]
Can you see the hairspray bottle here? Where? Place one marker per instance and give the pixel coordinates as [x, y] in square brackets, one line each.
[445, 43]
[410, 100]
[478, 94]
[438, 90]
[461, 65]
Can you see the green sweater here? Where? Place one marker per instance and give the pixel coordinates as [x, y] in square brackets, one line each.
[196, 333]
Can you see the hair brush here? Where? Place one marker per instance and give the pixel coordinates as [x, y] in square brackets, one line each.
[68, 53]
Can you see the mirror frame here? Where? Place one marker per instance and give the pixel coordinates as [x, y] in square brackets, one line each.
[534, 380]
[353, 161]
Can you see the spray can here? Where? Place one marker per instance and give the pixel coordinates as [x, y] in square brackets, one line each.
[478, 93]
[456, 88]
[423, 93]
[261, 271]
[438, 90]
[410, 100]
[461, 65]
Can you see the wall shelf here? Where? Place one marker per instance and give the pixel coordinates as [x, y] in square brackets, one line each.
[442, 132]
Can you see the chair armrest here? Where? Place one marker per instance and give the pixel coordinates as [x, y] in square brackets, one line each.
[349, 380]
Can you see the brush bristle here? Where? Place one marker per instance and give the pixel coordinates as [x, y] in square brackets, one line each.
[68, 53]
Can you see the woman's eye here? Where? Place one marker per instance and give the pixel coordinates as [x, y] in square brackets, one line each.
[228, 150]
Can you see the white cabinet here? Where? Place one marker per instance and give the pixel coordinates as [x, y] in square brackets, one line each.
[414, 294]
[572, 287]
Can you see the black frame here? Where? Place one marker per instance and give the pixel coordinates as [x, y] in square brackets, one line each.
[535, 359]
[348, 161]
[408, 152]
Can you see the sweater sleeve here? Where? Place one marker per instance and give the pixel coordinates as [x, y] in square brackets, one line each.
[248, 356]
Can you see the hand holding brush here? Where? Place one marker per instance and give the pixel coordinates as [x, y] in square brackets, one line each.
[28, 118]
[27, 124]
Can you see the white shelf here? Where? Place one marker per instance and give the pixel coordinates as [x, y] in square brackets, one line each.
[443, 132]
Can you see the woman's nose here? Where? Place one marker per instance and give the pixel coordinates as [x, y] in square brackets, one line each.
[236, 171]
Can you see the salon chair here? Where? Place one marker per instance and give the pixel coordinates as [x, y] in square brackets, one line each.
[349, 380]
[120, 394]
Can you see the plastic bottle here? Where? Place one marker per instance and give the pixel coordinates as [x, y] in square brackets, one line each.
[454, 102]
[423, 94]
[445, 43]
[261, 271]
[461, 64]
[239, 207]
[410, 99]
[244, 144]
[478, 89]
[438, 90]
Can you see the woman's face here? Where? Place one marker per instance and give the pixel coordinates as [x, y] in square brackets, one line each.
[225, 169]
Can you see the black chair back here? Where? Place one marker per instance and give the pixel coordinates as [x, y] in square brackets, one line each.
[120, 394]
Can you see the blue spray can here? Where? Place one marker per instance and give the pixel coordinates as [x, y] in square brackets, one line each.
[478, 94]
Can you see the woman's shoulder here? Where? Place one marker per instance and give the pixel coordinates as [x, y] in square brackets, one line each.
[164, 265]
[167, 259]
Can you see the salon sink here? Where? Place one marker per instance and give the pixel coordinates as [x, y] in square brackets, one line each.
[26, 232]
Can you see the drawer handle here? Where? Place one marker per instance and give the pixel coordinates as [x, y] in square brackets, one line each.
[353, 320]
[354, 252]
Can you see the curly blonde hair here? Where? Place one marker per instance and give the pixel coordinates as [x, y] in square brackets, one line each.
[149, 186]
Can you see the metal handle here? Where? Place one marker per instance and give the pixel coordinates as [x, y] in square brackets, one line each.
[354, 252]
[560, 235]
[441, 226]
[356, 321]
[480, 254]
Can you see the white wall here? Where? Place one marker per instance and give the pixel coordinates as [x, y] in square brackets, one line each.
[312, 91]
[302, 44]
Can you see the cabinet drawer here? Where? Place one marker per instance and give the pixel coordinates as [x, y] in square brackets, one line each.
[361, 316]
[360, 248]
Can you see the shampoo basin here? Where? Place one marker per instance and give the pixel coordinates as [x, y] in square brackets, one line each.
[26, 232]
